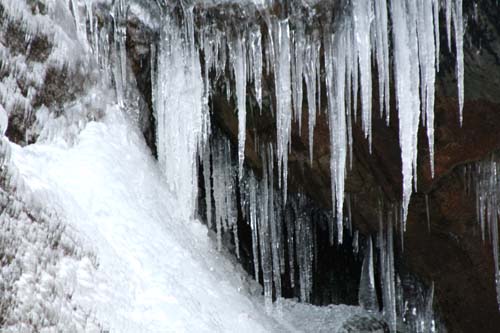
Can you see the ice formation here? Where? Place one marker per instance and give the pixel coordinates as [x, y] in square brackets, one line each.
[367, 293]
[289, 49]
[282, 233]
[280, 39]
[405, 300]
[486, 180]
[296, 55]
[289, 247]
[3, 121]
[155, 266]
[180, 115]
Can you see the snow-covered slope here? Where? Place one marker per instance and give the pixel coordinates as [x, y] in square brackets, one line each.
[156, 272]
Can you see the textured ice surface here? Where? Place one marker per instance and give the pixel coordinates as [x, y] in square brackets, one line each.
[4, 120]
[158, 272]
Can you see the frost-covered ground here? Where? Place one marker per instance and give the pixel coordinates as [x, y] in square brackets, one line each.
[156, 272]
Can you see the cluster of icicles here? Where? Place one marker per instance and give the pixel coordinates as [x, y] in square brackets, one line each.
[284, 237]
[290, 49]
[282, 234]
[302, 55]
[483, 178]
[414, 311]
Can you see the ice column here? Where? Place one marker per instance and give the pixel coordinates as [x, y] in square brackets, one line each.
[238, 60]
[311, 76]
[178, 109]
[382, 55]
[282, 74]
[335, 46]
[297, 71]
[388, 274]
[457, 14]
[427, 60]
[362, 15]
[367, 293]
[253, 189]
[120, 36]
[256, 60]
[406, 73]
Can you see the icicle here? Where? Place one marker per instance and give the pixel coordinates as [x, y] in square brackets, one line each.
[273, 224]
[208, 184]
[399, 223]
[349, 214]
[256, 53]
[290, 230]
[389, 285]
[297, 71]
[407, 89]
[264, 234]
[218, 188]
[238, 59]
[362, 16]
[281, 234]
[304, 248]
[178, 107]
[487, 191]
[355, 242]
[429, 312]
[119, 37]
[355, 71]
[231, 199]
[224, 192]
[281, 35]
[427, 62]
[448, 10]
[104, 53]
[208, 55]
[459, 46]
[367, 294]
[335, 83]
[236, 240]
[382, 55]
[253, 190]
[350, 52]
[435, 14]
[311, 75]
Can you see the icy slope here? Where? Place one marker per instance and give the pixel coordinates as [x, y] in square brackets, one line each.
[157, 273]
